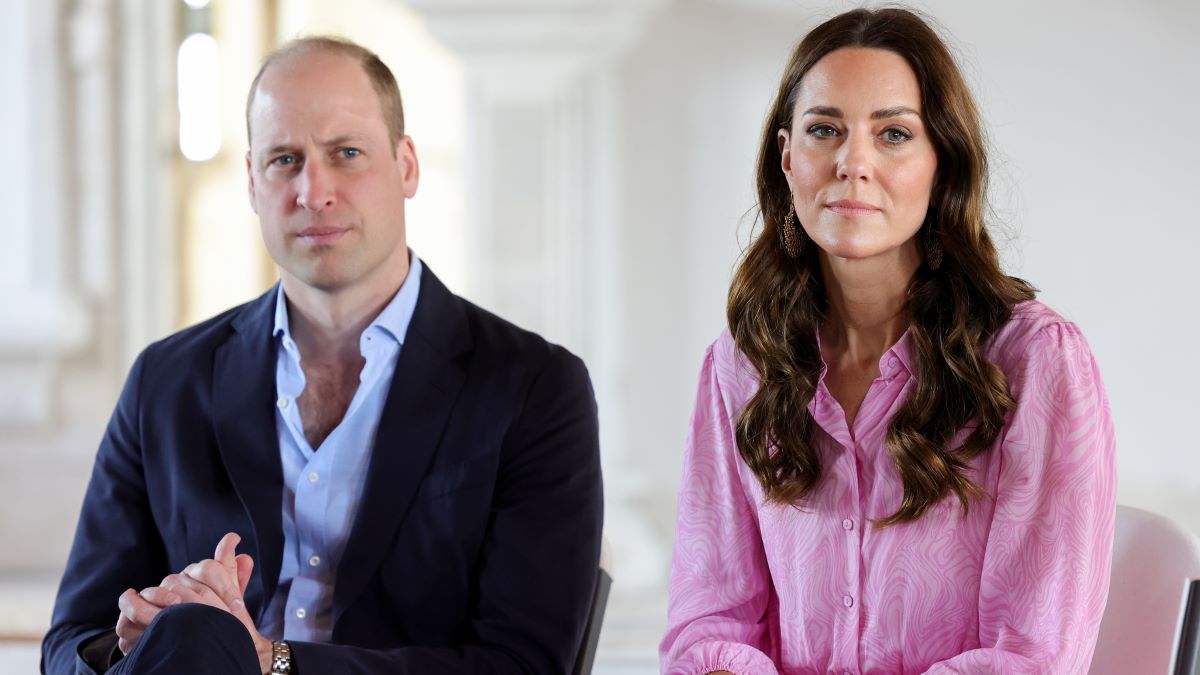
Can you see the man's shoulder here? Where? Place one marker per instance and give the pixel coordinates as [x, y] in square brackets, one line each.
[497, 340]
[198, 342]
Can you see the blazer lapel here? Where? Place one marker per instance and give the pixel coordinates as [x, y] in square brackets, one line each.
[424, 388]
[243, 412]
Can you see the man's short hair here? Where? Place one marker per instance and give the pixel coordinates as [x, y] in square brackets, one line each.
[377, 71]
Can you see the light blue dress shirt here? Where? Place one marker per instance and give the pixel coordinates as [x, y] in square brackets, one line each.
[322, 487]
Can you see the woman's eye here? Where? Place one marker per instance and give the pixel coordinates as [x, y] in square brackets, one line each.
[822, 131]
[896, 136]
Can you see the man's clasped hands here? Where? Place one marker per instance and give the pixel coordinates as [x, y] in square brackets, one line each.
[218, 582]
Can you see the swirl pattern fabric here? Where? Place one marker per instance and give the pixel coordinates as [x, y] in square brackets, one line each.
[1016, 585]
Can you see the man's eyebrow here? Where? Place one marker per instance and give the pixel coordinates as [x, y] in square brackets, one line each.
[344, 139]
[278, 149]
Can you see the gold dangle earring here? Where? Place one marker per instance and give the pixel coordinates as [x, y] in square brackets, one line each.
[793, 245]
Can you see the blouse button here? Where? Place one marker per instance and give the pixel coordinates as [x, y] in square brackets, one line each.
[848, 524]
[847, 601]
[300, 613]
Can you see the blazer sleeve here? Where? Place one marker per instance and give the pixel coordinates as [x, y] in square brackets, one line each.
[116, 546]
[1046, 569]
[540, 557]
[720, 584]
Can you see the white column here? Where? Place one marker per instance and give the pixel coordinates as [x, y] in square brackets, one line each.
[45, 317]
[544, 245]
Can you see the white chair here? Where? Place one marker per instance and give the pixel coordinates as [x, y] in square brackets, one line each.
[1146, 629]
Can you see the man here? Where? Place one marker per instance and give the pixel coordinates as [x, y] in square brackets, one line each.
[414, 484]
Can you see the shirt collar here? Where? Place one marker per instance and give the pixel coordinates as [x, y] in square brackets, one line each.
[393, 320]
[902, 352]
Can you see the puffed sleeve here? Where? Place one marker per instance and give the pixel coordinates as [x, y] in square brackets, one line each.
[1049, 551]
[720, 584]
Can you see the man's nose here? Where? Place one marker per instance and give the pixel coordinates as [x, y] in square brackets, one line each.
[855, 157]
[316, 188]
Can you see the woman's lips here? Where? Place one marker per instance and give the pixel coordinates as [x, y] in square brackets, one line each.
[852, 209]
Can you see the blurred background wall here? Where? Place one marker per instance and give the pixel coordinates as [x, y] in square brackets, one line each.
[588, 174]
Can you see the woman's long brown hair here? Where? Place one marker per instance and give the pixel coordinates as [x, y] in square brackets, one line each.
[776, 303]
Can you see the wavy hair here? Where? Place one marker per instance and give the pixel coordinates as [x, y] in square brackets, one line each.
[776, 303]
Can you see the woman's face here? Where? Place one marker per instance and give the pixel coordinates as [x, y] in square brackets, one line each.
[857, 158]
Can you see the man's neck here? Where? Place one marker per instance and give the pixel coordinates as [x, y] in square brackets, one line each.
[327, 325]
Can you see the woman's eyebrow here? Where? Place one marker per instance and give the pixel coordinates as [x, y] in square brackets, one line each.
[824, 111]
[895, 111]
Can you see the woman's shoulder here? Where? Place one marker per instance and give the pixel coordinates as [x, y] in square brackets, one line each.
[1032, 328]
[1029, 319]
[735, 374]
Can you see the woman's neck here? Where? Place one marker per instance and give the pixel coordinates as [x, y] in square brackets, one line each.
[867, 302]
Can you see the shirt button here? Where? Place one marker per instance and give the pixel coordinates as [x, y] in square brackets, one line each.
[315, 560]
[892, 362]
[848, 524]
[300, 613]
[313, 477]
[846, 600]
[282, 402]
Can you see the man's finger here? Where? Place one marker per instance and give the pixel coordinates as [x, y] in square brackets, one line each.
[216, 576]
[226, 550]
[135, 608]
[160, 597]
[245, 567]
[193, 591]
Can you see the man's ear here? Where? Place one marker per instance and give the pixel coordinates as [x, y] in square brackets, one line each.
[250, 183]
[410, 168]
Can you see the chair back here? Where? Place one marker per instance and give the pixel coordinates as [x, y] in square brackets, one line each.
[1154, 564]
[591, 631]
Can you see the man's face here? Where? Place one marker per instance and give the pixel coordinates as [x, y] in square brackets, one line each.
[325, 180]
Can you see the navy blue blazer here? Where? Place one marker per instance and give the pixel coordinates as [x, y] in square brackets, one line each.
[477, 540]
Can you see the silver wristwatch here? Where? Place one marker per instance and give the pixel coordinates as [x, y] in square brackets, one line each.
[281, 658]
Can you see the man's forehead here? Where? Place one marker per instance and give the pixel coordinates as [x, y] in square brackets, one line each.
[310, 68]
[313, 94]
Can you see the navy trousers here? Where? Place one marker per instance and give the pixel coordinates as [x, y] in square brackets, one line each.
[192, 638]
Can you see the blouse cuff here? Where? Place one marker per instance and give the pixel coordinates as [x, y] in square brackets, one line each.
[708, 657]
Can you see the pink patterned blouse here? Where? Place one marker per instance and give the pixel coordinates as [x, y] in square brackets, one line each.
[1016, 586]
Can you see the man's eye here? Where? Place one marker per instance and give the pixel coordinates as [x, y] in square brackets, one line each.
[350, 153]
[822, 131]
[896, 136]
[283, 160]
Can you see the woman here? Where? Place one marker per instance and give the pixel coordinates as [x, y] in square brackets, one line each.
[899, 462]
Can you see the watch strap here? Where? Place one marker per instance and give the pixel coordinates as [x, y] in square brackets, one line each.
[281, 658]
